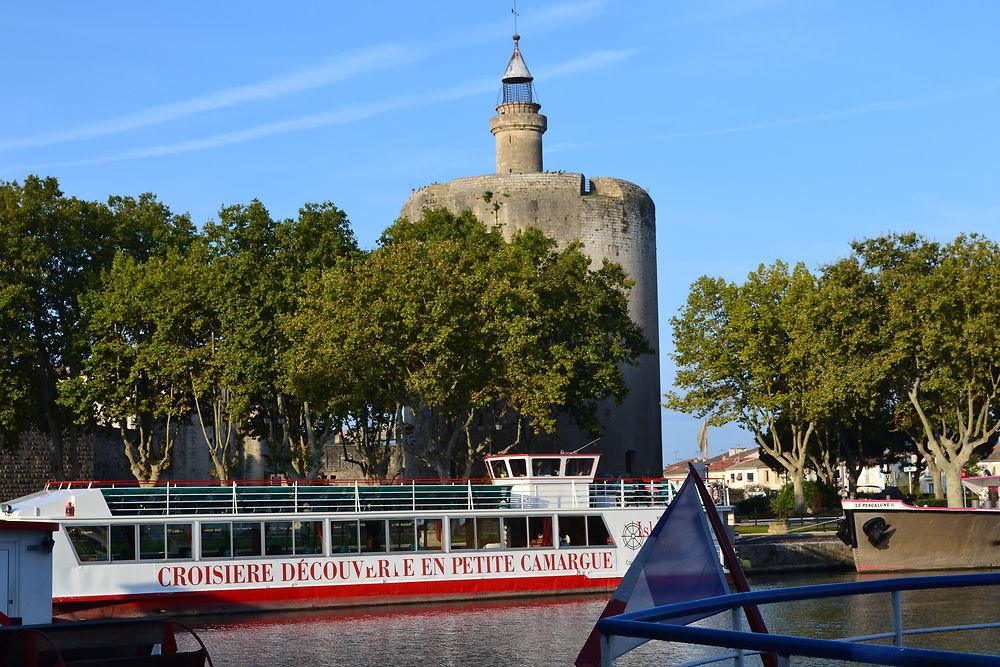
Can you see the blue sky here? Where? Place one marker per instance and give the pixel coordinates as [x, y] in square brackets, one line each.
[763, 129]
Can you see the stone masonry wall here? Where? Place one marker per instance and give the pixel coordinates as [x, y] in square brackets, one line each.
[101, 456]
[27, 468]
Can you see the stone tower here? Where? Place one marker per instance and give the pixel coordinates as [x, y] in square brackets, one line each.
[614, 219]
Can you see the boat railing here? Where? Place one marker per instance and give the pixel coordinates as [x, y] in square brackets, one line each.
[302, 496]
[656, 623]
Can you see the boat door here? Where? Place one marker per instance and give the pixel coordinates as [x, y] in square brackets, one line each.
[6, 548]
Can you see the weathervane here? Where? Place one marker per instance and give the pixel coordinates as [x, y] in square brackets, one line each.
[514, 12]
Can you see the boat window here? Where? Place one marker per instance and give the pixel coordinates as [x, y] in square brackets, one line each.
[278, 538]
[540, 531]
[372, 536]
[246, 538]
[179, 541]
[488, 535]
[499, 469]
[216, 540]
[544, 467]
[519, 467]
[516, 529]
[402, 535]
[308, 536]
[122, 542]
[579, 466]
[572, 531]
[463, 533]
[152, 541]
[597, 532]
[344, 537]
[429, 535]
[90, 542]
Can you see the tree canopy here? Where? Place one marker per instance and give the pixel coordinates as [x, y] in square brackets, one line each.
[474, 335]
[891, 350]
[446, 339]
[741, 357]
[52, 249]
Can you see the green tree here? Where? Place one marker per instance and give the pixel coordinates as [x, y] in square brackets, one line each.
[843, 321]
[469, 332]
[740, 358]
[52, 248]
[245, 293]
[339, 362]
[143, 322]
[944, 314]
[260, 266]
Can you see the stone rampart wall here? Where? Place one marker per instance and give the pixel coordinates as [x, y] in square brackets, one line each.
[28, 467]
[101, 456]
[794, 554]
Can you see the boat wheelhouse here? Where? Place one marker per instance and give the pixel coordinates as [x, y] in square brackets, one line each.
[538, 525]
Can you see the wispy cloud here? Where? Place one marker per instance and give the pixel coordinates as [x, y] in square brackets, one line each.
[340, 115]
[729, 10]
[862, 110]
[934, 97]
[338, 69]
[591, 61]
[559, 14]
[847, 112]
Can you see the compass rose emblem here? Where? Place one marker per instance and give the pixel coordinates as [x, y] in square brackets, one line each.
[632, 535]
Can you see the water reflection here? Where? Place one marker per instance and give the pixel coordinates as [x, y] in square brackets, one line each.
[551, 632]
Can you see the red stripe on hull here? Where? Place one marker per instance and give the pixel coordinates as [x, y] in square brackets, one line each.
[299, 597]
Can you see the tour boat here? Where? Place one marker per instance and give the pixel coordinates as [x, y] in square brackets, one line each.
[892, 535]
[538, 525]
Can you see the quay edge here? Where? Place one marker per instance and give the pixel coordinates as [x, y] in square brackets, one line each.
[762, 554]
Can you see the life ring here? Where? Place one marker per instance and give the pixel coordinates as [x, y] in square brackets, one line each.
[716, 494]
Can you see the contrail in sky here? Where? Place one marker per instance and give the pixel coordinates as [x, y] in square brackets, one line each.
[849, 112]
[343, 115]
[341, 68]
[862, 110]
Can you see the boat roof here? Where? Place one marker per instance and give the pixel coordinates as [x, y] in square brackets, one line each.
[547, 468]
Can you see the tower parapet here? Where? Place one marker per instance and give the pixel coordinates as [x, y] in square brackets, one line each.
[518, 127]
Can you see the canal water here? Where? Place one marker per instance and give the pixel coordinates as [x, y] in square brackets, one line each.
[551, 631]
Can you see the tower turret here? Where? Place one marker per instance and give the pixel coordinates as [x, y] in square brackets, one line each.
[518, 127]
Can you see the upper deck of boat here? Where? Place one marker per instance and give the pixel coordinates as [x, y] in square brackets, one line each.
[515, 482]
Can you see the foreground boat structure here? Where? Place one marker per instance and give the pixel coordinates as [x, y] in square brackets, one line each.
[658, 623]
[645, 608]
[142, 642]
[539, 525]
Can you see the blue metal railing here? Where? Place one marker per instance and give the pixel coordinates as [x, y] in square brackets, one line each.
[655, 624]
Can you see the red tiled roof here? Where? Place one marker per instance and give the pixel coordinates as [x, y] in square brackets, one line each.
[994, 455]
[715, 464]
[747, 464]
